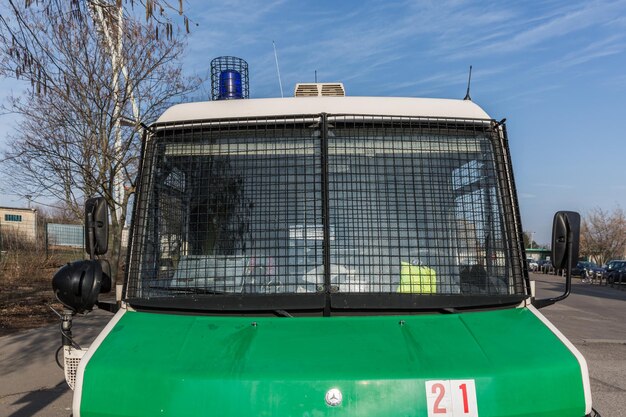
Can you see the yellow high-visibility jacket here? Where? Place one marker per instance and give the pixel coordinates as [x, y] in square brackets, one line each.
[417, 279]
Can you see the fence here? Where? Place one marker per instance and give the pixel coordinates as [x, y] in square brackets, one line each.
[31, 248]
[64, 239]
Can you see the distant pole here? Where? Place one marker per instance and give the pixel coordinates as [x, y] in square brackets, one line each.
[45, 228]
[110, 20]
[532, 238]
[280, 83]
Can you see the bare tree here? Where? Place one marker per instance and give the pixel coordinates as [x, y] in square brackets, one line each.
[162, 16]
[70, 143]
[58, 213]
[603, 235]
[529, 242]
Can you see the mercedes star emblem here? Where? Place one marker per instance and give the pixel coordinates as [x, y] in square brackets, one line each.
[333, 397]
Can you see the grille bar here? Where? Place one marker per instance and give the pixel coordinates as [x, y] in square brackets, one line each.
[326, 213]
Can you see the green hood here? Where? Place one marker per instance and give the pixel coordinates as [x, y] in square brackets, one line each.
[182, 365]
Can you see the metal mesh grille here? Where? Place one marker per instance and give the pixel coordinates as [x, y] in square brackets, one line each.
[71, 360]
[340, 204]
[416, 209]
[228, 63]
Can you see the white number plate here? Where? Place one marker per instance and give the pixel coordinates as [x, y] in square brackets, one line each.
[451, 398]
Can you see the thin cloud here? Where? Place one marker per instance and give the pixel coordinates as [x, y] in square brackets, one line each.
[599, 49]
[234, 12]
[558, 186]
[432, 84]
[614, 81]
[530, 94]
[536, 32]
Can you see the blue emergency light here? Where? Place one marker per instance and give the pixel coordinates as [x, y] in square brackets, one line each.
[230, 85]
[229, 78]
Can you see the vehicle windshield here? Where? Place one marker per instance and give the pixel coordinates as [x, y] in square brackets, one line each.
[343, 205]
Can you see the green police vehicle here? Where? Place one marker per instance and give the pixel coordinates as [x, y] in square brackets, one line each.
[323, 255]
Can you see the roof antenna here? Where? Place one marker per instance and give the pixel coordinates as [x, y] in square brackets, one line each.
[469, 81]
[280, 83]
[315, 76]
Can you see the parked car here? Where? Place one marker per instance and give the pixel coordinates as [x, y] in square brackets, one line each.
[614, 269]
[532, 264]
[619, 277]
[547, 267]
[588, 270]
[611, 271]
[540, 264]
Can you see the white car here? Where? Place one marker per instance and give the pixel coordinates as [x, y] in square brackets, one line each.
[532, 265]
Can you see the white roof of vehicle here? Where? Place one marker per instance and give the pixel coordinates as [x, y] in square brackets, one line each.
[291, 106]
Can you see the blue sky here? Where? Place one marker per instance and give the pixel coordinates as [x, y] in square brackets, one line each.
[555, 69]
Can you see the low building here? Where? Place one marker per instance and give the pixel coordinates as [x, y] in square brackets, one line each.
[19, 221]
[538, 253]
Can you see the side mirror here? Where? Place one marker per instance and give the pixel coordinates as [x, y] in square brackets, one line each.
[96, 226]
[565, 245]
[77, 285]
[565, 238]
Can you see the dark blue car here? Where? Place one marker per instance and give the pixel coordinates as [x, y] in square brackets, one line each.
[587, 270]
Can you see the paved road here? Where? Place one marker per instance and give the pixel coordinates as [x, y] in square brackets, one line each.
[31, 384]
[593, 318]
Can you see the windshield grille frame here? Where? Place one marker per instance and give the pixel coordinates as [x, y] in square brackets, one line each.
[329, 300]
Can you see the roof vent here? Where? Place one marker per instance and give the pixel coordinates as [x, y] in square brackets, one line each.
[319, 90]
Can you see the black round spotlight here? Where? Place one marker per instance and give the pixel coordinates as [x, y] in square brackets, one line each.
[77, 285]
